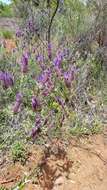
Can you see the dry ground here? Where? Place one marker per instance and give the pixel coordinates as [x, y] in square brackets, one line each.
[80, 164]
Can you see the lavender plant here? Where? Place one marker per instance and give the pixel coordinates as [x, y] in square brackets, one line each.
[48, 83]
[44, 92]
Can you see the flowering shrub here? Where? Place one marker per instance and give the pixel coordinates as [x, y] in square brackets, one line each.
[46, 88]
[18, 102]
[6, 79]
[44, 84]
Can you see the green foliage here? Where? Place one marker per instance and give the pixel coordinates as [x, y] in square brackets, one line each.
[3, 188]
[19, 152]
[21, 184]
[6, 10]
[83, 128]
[74, 19]
[6, 34]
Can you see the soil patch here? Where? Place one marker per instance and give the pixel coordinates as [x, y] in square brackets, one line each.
[80, 164]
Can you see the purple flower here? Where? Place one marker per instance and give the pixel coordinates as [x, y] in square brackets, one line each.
[69, 76]
[34, 132]
[24, 62]
[30, 25]
[44, 77]
[7, 79]
[40, 58]
[50, 51]
[48, 88]
[56, 62]
[18, 102]
[38, 123]
[58, 71]
[38, 120]
[60, 101]
[35, 104]
[58, 59]
[18, 33]
[19, 97]
[46, 92]
[66, 52]
[34, 50]
[45, 80]
[16, 107]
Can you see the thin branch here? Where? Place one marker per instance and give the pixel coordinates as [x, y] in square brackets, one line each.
[51, 21]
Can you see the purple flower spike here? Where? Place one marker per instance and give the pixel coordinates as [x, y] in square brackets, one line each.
[18, 102]
[56, 62]
[36, 129]
[45, 81]
[66, 52]
[50, 51]
[35, 104]
[40, 58]
[58, 59]
[44, 77]
[24, 62]
[18, 33]
[16, 107]
[34, 50]
[38, 120]
[58, 71]
[30, 25]
[7, 79]
[48, 89]
[19, 97]
[69, 76]
[34, 132]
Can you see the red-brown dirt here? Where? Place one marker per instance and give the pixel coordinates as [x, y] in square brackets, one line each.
[80, 164]
[9, 45]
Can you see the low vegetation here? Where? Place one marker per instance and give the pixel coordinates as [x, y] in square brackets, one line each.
[52, 73]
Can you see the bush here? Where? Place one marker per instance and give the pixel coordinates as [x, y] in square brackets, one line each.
[5, 10]
[7, 34]
[19, 152]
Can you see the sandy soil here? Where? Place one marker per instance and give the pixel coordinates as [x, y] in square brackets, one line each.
[80, 164]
